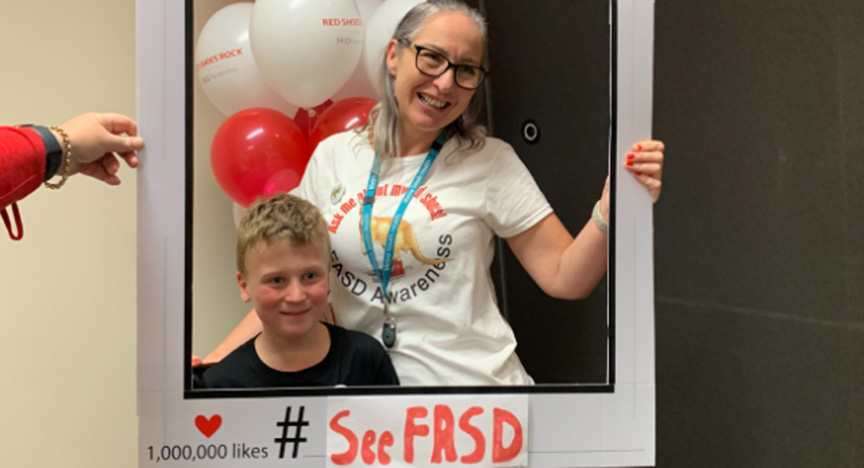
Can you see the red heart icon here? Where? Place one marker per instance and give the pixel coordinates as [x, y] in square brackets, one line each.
[208, 427]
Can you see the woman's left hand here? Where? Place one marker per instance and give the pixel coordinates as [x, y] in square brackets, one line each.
[645, 161]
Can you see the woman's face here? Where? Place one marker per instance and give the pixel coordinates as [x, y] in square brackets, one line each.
[428, 104]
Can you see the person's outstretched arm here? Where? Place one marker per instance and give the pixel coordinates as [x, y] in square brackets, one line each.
[22, 163]
[30, 156]
[88, 143]
[568, 268]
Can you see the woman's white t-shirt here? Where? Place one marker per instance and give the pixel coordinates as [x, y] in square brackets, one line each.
[449, 328]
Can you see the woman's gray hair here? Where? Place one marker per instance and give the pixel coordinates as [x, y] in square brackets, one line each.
[385, 120]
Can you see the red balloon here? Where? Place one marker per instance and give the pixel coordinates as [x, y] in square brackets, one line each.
[340, 117]
[306, 118]
[258, 153]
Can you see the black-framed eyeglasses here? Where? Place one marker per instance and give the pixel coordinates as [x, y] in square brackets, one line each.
[431, 63]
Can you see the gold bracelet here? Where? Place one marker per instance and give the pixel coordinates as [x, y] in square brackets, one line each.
[67, 149]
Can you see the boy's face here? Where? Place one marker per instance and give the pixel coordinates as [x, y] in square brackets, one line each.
[287, 284]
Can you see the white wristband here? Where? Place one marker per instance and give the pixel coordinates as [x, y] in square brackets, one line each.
[597, 216]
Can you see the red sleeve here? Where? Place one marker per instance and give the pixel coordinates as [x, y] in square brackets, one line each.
[22, 163]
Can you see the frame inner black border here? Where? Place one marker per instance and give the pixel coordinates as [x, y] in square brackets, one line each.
[190, 393]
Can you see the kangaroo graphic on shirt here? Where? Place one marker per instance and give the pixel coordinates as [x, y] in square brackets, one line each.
[405, 240]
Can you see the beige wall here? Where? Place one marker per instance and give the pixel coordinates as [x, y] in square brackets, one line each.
[67, 339]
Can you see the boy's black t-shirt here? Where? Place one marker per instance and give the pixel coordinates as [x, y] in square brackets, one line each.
[354, 358]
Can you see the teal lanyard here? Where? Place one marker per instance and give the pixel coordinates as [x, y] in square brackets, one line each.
[369, 200]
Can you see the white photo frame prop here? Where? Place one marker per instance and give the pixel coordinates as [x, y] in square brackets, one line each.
[578, 426]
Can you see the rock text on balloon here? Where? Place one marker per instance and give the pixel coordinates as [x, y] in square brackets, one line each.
[217, 57]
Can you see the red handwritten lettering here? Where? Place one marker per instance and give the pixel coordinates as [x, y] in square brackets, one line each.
[372, 447]
[385, 441]
[443, 437]
[479, 441]
[349, 455]
[412, 429]
[366, 452]
[500, 453]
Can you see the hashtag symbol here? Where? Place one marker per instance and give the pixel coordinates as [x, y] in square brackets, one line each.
[285, 425]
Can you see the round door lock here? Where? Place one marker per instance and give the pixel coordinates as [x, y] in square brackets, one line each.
[530, 132]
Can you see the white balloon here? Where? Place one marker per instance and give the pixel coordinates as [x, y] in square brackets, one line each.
[358, 84]
[306, 49]
[238, 211]
[379, 31]
[226, 68]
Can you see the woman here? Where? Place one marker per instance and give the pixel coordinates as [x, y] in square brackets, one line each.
[440, 319]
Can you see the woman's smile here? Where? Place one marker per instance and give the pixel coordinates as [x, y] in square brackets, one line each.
[432, 102]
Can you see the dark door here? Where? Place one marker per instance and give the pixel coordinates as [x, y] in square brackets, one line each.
[550, 68]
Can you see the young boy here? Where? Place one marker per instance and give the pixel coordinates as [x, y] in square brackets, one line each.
[283, 263]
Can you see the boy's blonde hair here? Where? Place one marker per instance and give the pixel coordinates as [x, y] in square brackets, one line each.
[281, 217]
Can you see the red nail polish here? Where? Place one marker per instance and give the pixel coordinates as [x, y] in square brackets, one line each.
[638, 173]
[629, 163]
[630, 155]
[638, 147]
